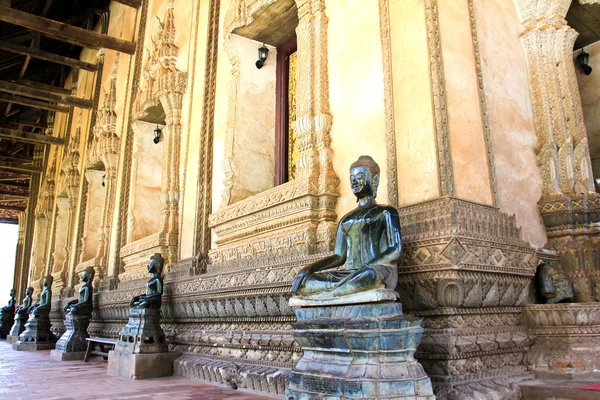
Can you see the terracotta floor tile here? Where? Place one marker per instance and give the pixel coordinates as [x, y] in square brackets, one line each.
[34, 376]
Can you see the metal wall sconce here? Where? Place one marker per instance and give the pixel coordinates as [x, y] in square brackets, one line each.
[583, 59]
[157, 133]
[263, 53]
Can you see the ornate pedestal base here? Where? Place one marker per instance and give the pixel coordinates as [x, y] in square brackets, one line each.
[567, 340]
[17, 328]
[358, 352]
[37, 335]
[142, 350]
[6, 322]
[72, 344]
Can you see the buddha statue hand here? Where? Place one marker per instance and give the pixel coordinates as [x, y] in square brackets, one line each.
[301, 278]
[69, 306]
[135, 301]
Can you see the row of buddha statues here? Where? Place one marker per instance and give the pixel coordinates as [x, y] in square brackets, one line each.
[358, 279]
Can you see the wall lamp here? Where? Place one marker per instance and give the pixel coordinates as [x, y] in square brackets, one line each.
[263, 53]
[157, 133]
[583, 59]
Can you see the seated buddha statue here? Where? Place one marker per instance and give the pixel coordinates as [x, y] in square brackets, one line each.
[23, 309]
[367, 248]
[9, 309]
[42, 309]
[84, 304]
[154, 287]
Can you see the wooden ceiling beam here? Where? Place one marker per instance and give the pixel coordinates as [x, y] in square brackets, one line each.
[11, 208]
[43, 86]
[14, 178]
[29, 137]
[15, 88]
[44, 55]
[19, 167]
[32, 124]
[130, 3]
[64, 32]
[11, 98]
[5, 192]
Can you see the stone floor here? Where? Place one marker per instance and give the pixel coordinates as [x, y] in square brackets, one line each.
[32, 375]
[542, 389]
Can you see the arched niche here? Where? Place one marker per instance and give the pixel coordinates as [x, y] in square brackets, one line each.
[153, 191]
[60, 254]
[95, 199]
[295, 219]
[146, 181]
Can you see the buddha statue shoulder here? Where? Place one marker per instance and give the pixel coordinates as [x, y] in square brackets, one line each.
[84, 303]
[42, 309]
[366, 254]
[154, 288]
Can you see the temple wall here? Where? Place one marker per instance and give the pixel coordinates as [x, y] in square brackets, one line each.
[412, 103]
[356, 93]
[467, 142]
[590, 100]
[254, 126]
[510, 114]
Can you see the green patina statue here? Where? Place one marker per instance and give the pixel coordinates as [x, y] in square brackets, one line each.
[84, 304]
[23, 309]
[553, 284]
[10, 307]
[367, 246]
[154, 288]
[42, 309]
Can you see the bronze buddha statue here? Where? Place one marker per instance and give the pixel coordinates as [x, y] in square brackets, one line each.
[42, 309]
[367, 247]
[23, 309]
[84, 304]
[154, 287]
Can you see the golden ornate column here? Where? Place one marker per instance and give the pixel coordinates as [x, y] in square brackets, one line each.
[569, 205]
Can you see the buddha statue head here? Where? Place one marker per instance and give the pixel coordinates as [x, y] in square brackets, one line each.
[48, 279]
[155, 265]
[88, 274]
[29, 291]
[364, 177]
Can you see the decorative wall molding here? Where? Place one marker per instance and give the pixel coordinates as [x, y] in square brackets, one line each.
[388, 86]
[436, 75]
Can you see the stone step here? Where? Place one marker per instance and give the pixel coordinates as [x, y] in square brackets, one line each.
[545, 389]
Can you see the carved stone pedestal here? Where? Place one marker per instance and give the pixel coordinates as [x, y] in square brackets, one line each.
[358, 352]
[17, 328]
[6, 322]
[37, 335]
[72, 344]
[142, 351]
[567, 340]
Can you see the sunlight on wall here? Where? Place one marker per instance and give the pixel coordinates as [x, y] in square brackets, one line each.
[8, 249]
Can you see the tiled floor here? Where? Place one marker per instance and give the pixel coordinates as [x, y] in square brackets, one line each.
[34, 376]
